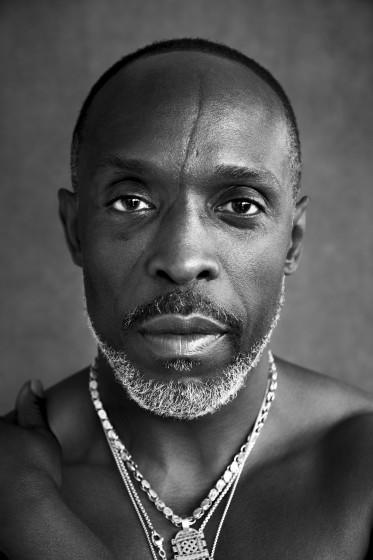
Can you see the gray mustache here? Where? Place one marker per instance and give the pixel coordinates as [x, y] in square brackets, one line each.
[182, 302]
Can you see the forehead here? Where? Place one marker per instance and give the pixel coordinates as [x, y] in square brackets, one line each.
[187, 110]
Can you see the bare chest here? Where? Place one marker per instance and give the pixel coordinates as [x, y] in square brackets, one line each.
[275, 517]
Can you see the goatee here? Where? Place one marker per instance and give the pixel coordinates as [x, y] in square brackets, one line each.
[185, 398]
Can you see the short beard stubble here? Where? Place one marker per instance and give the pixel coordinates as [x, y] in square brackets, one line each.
[184, 398]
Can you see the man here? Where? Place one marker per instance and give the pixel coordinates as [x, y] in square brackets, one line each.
[186, 219]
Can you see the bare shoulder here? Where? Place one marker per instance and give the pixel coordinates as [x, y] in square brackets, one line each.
[70, 415]
[322, 398]
[333, 418]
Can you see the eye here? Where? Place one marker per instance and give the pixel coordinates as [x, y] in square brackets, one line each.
[240, 207]
[130, 204]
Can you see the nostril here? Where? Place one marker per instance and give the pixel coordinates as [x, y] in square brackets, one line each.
[177, 276]
[182, 269]
[163, 274]
[204, 275]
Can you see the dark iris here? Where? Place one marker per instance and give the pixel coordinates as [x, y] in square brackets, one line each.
[241, 206]
[132, 203]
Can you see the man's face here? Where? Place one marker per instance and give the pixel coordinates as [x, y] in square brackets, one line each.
[184, 204]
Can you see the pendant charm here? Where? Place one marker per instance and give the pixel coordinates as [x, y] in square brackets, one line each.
[190, 544]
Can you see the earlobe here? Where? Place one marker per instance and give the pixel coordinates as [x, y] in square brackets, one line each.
[297, 234]
[68, 211]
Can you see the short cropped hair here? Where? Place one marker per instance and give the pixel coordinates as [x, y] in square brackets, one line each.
[199, 45]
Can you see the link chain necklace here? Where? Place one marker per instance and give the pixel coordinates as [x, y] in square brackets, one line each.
[188, 544]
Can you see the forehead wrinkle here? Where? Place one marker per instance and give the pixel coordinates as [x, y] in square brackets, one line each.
[191, 141]
[254, 94]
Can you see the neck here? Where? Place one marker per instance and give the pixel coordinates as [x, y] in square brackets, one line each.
[195, 452]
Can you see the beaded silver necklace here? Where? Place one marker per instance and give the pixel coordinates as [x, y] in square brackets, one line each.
[187, 543]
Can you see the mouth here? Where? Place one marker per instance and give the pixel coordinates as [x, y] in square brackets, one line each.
[178, 336]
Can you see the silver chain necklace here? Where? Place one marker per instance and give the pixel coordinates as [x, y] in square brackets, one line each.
[187, 543]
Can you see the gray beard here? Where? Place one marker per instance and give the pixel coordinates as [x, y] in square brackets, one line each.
[186, 398]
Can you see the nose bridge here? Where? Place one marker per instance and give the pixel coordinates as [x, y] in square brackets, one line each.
[181, 224]
[182, 250]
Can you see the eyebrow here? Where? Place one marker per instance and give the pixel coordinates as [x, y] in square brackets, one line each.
[116, 162]
[223, 171]
[247, 173]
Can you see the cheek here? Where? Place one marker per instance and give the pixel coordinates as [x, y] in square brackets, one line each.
[256, 272]
[108, 263]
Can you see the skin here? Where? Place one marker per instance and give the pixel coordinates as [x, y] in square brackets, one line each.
[306, 491]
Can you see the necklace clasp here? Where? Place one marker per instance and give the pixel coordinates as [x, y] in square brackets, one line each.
[157, 540]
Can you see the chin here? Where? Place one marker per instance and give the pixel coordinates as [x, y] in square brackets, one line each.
[182, 387]
[181, 365]
[182, 394]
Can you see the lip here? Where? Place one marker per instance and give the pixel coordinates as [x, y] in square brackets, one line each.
[173, 346]
[174, 336]
[183, 325]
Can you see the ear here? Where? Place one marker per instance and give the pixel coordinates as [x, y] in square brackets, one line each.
[68, 210]
[297, 233]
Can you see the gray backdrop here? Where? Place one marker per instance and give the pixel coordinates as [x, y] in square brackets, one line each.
[52, 51]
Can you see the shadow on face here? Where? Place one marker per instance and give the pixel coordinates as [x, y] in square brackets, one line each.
[183, 184]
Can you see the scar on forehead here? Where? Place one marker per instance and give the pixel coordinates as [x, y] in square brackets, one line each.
[191, 149]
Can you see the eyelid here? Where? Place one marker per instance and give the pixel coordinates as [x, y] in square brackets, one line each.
[139, 197]
[126, 186]
[241, 191]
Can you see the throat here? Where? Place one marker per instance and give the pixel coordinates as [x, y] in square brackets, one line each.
[180, 478]
[180, 458]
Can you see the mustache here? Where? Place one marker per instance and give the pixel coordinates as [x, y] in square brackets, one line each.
[182, 302]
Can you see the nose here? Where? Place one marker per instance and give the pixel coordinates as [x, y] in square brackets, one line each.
[183, 250]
